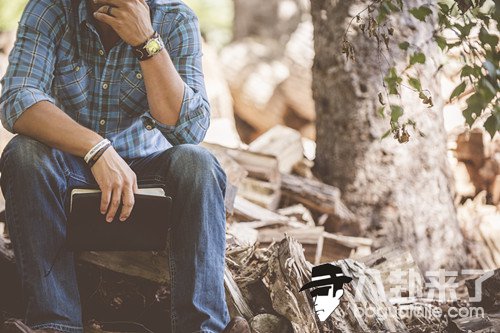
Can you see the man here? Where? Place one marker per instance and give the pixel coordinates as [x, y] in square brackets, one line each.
[328, 280]
[111, 93]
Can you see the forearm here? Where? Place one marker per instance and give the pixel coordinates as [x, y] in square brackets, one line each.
[165, 88]
[47, 123]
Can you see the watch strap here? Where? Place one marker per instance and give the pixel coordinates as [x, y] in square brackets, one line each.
[140, 50]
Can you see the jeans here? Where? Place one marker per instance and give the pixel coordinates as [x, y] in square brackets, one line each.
[35, 179]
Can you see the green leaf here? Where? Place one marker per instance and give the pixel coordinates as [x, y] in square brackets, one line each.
[445, 9]
[386, 134]
[415, 83]
[487, 38]
[381, 112]
[441, 42]
[396, 113]
[492, 124]
[458, 90]
[470, 71]
[404, 46]
[421, 12]
[393, 80]
[417, 58]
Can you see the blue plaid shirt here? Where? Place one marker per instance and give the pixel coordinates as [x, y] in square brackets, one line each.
[58, 57]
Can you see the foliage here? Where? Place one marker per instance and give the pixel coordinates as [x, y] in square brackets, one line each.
[10, 12]
[216, 19]
[474, 25]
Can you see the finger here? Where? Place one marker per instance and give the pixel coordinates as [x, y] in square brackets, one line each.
[128, 203]
[115, 202]
[105, 199]
[115, 3]
[105, 18]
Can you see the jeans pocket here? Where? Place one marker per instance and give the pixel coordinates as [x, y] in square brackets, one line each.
[133, 98]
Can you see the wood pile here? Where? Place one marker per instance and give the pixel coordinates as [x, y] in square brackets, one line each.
[275, 234]
[271, 83]
[478, 163]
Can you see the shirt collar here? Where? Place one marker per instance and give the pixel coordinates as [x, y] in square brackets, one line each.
[83, 12]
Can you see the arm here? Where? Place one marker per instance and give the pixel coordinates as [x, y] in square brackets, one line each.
[28, 108]
[26, 104]
[174, 79]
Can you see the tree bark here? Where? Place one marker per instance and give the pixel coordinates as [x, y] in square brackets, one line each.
[400, 193]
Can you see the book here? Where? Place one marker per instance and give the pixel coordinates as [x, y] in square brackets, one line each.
[145, 229]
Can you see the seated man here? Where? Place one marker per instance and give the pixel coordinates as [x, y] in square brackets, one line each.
[111, 93]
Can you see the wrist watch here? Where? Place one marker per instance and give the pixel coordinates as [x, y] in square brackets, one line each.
[149, 48]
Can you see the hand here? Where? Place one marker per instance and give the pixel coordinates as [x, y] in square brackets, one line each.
[117, 182]
[129, 19]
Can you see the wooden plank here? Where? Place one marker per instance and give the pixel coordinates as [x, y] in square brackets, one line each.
[283, 142]
[315, 195]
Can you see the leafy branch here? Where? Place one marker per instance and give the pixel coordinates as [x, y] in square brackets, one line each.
[479, 74]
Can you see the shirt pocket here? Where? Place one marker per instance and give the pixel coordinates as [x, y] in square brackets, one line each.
[71, 86]
[133, 98]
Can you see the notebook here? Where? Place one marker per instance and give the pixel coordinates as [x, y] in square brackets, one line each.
[144, 230]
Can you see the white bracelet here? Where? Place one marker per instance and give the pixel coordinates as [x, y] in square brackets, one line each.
[95, 149]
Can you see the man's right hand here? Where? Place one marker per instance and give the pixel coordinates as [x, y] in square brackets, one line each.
[117, 182]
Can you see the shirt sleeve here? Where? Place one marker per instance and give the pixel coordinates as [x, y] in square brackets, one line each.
[184, 47]
[31, 63]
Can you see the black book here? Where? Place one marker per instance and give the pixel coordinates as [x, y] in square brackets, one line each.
[144, 230]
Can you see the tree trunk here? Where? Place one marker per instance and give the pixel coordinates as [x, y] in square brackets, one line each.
[400, 193]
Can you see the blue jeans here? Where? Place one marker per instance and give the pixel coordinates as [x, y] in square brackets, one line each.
[35, 179]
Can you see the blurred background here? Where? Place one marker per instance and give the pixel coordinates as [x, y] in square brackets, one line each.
[298, 130]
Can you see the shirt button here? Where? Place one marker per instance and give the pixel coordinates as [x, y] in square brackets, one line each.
[102, 121]
[139, 76]
[77, 68]
[101, 52]
[105, 86]
[149, 127]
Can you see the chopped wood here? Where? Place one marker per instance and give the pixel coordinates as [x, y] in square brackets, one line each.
[336, 247]
[288, 272]
[399, 261]
[311, 238]
[315, 195]
[234, 172]
[488, 324]
[284, 143]
[151, 266]
[489, 291]
[266, 323]
[244, 210]
[263, 193]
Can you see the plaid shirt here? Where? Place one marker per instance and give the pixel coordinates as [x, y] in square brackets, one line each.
[58, 57]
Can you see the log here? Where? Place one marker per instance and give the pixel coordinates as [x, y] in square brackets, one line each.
[268, 86]
[489, 324]
[235, 175]
[396, 263]
[284, 143]
[263, 183]
[336, 247]
[315, 195]
[489, 289]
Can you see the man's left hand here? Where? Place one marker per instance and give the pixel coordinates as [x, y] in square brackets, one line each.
[129, 18]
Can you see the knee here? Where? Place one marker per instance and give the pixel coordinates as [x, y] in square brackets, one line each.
[197, 166]
[24, 154]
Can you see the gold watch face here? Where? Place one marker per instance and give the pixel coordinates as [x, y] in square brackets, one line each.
[153, 46]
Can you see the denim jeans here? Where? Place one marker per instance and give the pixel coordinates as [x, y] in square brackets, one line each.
[35, 179]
